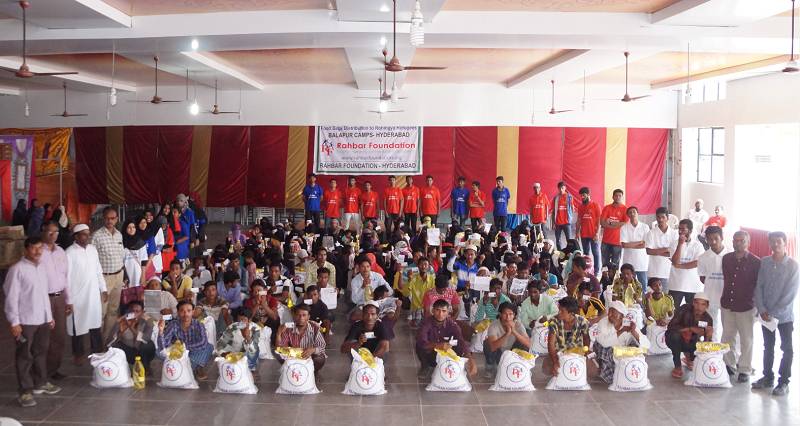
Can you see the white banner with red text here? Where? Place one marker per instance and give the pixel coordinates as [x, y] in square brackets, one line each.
[368, 150]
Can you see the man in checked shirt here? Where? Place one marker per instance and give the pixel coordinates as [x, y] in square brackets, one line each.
[304, 334]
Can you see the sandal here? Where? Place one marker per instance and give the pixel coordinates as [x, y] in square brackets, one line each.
[677, 373]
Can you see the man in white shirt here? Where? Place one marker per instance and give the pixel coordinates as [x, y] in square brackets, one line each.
[657, 245]
[632, 237]
[698, 216]
[709, 267]
[684, 281]
[366, 278]
[87, 289]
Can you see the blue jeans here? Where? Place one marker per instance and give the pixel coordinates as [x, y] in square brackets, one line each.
[588, 244]
[500, 223]
[611, 255]
[785, 368]
[252, 360]
[567, 230]
[642, 277]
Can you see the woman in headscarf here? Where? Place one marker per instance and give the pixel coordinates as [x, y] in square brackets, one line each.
[35, 219]
[20, 214]
[135, 252]
[236, 236]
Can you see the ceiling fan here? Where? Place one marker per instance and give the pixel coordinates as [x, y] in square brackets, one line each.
[65, 113]
[792, 66]
[553, 100]
[627, 97]
[24, 71]
[383, 104]
[384, 94]
[156, 99]
[394, 64]
[215, 110]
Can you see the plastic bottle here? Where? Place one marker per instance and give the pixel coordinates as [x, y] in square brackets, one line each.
[138, 373]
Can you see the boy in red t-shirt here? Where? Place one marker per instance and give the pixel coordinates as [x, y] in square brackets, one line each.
[352, 196]
[539, 207]
[431, 200]
[332, 203]
[477, 203]
[587, 227]
[392, 204]
[369, 202]
[612, 218]
[411, 203]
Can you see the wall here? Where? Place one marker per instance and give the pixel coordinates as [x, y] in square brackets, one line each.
[431, 105]
[767, 99]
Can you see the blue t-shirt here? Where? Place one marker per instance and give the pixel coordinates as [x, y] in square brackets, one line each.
[459, 197]
[551, 279]
[313, 196]
[500, 198]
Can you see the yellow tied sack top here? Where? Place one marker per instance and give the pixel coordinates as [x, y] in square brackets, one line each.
[233, 357]
[577, 351]
[552, 292]
[450, 353]
[628, 351]
[176, 350]
[483, 325]
[524, 354]
[712, 347]
[366, 355]
[289, 303]
[289, 352]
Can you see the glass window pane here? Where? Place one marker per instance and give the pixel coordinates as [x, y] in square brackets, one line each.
[704, 141]
[717, 169]
[719, 141]
[704, 168]
[712, 91]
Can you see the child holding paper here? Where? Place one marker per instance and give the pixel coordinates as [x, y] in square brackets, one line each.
[490, 302]
[418, 285]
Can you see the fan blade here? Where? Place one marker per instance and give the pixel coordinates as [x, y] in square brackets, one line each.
[424, 68]
[365, 97]
[148, 101]
[378, 112]
[228, 112]
[76, 115]
[560, 111]
[8, 69]
[640, 97]
[44, 74]
[163, 101]
[380, 61]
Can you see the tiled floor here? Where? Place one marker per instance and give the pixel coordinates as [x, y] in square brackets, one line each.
[407, 402]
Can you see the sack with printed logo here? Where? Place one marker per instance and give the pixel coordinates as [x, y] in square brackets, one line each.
[234, 375]
[709, 368]
[176, 371]
[630, 371]
[449, 374]
[658, 340]
[514, 373]
[111, 369]
[636, 316]
[539, 335]
[366, 374]
[296, 374]
[594, 331]
[571, 374]
[264, 344]
[481, 331]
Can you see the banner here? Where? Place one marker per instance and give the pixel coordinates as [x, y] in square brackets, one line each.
[368, 150]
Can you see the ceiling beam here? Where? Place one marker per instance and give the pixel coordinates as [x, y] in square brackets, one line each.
[217, 65]
[109, 12]
[736, 71]
[718, 13]
[381, 10]
[10, 91]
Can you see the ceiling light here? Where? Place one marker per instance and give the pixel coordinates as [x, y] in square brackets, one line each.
[384, 8]
[27, 109]
[195, 44]
[394, 96]
[383, 106]
[112, 97]
[194, 108]
[383, 41]
[417, 32]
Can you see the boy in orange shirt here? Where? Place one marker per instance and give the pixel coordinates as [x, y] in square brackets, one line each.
[332, 200]
[612, 218]
[431, 200]
[411, 203]
[477, 203]
[392, 204]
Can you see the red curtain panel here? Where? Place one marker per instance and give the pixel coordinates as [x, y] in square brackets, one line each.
[140, 165]
[539, 160]
[228, 164]
[644, 168]
[266, 175]
[90, 164]
[584, 160]
[174, 156]
[476, 158]
[438, 160]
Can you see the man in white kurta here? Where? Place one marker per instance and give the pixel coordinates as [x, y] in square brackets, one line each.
[87, 288]
[709, 267]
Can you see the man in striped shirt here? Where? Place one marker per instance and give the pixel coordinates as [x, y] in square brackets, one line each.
[303, 334]
[108, 241]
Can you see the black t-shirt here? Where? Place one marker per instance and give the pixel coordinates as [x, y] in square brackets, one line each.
[372, 344]
[684, 318]
[319, 312]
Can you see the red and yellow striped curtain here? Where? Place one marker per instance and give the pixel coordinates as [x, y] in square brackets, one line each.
[267, 165]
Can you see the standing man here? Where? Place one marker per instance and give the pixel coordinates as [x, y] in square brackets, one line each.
[312, 196]
[431, 200]
[776, 289]
[410, 203]
[709, 267]
[657, 245]
[88, 292]
[698, 216]
[458, 201]
[563, 212]
[332, 198]
[613, 217]
[588, 227]
[540, 209]
[352, 196]
[54, 261]
[500, 197]
[188, 217]
[477, 202]
[632, 237]
[27, 309]
[369, 203]
[392, 205]
[108, 242]
[740, 272]
[684, 281]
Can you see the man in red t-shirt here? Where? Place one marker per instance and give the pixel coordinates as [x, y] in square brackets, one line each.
[369, 202]
[332, 200]
[612, 218]
[587, 226]
[477, 203]
[431, 200]
[392, 204]
[563, 214]
[352, 196]
[539, 208]
[411, 203]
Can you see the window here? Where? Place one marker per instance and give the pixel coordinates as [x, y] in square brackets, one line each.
[705, 91]
[710, 154]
